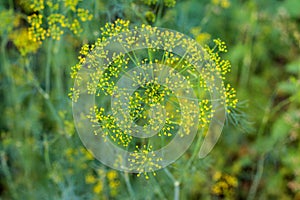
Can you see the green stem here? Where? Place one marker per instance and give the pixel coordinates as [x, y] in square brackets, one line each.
[260, 164]
[3, 57]
[159, 190]
[46, 96]
[175, 183]
[129, 186]
[269, 112]
[57, 70]
[11, 4]
[10, 89]
[138, 13]
[46, 155]
[195, 152]
[257, 178]
[8, 176]
[176, 190]
[48, 66]
[159, 13]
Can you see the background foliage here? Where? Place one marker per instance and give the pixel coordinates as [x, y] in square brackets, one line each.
[257, 156]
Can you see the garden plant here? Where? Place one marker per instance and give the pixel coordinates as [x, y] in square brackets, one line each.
[150, 99]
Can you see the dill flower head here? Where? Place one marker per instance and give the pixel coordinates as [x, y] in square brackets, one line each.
[224, 186]
[22, 41]
[141, 94]
[49, 19]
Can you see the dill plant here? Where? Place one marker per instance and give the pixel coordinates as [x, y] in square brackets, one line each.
[39, 155]
[52, 19]
[141, 94]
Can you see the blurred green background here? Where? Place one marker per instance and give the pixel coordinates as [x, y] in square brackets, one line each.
[258, 154]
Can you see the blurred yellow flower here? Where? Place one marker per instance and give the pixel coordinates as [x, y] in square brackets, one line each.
[71, 4]
[224, 185]
[87, 153]
[90, 179]
[23, 43]
[201, 37]
[98, 187]
[231, 180]
[169, 3]
[150, 16]
[37, 5]
[113, 182]
[221, 3]
[217, 175]
[112, 174]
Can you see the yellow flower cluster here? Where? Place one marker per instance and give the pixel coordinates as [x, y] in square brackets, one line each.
[142, 100]
[202, 38]
[90, 179]
[36, 32]
[112, 29]
[53, 5]
[167, 3]
[79, 155]
[144, 159]
[69, 127]
[71, 4]
[108, 126]
[231, 100]
[22, 41]
[224, 186]
[56, 23]
[84, 15]
[106, 82]
[150, 16]
[206, 113]
[75, 27]
[97, 182]
[153, 93]
[113, 182]
[37, 5]
[168, 127]
[152, 89]
[220, 45]
[74, 94]
[221, 3]
[98, 188]
[223, 67]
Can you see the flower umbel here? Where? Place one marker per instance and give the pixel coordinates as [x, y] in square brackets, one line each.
[144, 92]
[55, 23]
